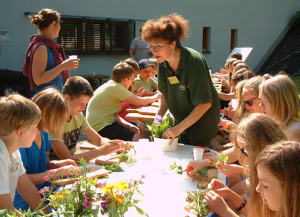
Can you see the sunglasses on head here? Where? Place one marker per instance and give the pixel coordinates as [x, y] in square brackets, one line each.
[250, 102]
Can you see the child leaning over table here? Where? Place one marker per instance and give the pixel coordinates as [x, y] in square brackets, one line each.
[54, 109]
[19, 118]
[103, 108]
[77, 91]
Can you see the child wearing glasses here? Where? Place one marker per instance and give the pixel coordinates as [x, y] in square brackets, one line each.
[253, 134]
[104, 106]
[279, 100]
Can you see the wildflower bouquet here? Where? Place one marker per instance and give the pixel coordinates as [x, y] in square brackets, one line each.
[76, 200]
[117, 198]
[159, 125]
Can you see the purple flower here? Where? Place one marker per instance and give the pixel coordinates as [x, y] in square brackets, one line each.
[158, 118]
[99, 185]
[104, 205]
[143, 176]
[86, 204]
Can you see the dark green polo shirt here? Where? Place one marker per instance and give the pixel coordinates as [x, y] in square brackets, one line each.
[195, 87]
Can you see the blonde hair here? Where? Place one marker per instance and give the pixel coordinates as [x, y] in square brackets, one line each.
[54, 109]
[282, 160]
[154, 61]
[256, 131]
[17, 112]
[241, 108]
[281, 92]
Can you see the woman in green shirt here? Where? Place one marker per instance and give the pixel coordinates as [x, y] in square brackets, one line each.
[184, 80]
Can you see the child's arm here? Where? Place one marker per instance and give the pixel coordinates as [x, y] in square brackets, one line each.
[142, 101]
[62, 151]
[6, 203]
[94, 136]
[29, 192]
[121, 122]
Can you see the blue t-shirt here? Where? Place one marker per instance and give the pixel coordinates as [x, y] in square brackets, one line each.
[56, 82]
[35, 161]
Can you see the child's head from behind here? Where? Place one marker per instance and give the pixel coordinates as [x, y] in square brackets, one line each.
[154, 61]
[54, 109]
[18, 114]
[279, 98]
[77, 91]
[146, 69]
[278, 170]
[134, 65]
[123, 74]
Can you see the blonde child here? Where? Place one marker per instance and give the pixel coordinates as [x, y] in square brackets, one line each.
[279, 100]
[54, 109]
[277, 191]
[253, 134]
[19, 118]
[154, 71]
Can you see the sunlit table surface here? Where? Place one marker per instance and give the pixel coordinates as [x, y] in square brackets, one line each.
[165, 191]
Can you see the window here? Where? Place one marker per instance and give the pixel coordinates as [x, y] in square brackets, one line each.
[85, 36]
[233, 39]
[206, 39]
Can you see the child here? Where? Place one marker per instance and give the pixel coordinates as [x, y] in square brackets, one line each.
[154, 71]
[54, 109]
[19, 118]
[253, 134]
[278, 193]
[106, 103]
[145, 79]
[77, 91]
[279, 99]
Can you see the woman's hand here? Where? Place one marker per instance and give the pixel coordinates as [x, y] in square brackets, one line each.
[230, 169]
[70, 64]
[172, 133]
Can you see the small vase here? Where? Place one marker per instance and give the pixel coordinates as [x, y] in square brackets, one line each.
[163, 144]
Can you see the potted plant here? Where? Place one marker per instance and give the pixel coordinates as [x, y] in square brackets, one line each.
[158, 127]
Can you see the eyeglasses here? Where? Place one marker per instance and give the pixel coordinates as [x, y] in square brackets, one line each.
[131, 79]
[157, 48]
[250, 102]
[244, 152]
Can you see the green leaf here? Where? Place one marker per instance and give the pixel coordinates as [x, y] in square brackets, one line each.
[140, 211]
[140, 192]
[137, 201]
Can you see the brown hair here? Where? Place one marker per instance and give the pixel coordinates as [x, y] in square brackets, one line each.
[282, 160]
[281, 92]
[44, 18]
[132, 63]
[240, 75]
[17, 112]
[54, 109]
[77, 86]
[236, 55]
[121, 71]
[237, 66]
[170, 28]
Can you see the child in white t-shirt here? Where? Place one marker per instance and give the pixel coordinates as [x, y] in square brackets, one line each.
[19, 118]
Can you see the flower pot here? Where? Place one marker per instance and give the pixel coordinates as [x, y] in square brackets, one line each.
[163, 144]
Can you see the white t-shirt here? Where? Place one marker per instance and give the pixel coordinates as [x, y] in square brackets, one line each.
[11, 168]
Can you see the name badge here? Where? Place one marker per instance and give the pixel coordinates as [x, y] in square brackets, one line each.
[173, 80]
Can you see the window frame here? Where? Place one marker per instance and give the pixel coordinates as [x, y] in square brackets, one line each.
[233, 39]
[206, 40]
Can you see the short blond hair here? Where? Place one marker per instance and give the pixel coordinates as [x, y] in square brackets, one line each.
[281, 92]
[54, 108]
[17, 112]
[121, 71]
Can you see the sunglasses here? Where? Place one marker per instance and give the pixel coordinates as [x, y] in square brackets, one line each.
[250, 102]
[244, 152]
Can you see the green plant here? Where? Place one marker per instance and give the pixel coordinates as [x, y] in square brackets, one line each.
[196, 202]
[159, 125]
[177, 167]
[221, 159]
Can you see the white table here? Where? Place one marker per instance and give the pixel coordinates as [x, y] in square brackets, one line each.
[164, 190]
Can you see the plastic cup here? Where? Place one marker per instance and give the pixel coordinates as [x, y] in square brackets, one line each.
[94, 73]
[198, 153]
[234, 104]
[73, 57]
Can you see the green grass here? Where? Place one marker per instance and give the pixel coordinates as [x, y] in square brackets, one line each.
[297, 82]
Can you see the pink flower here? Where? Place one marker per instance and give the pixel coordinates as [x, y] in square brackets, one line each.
[43, 191]
[52, 172]
[61, 170]
[47, 177]
[99, 185]
[87, 203]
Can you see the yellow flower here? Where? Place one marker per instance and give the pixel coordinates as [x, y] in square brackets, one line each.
[59, 195]
[122, 185]
[108, 188]
[118, 198]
